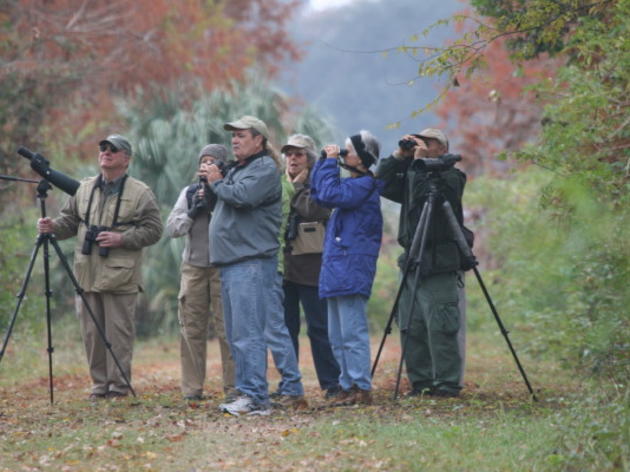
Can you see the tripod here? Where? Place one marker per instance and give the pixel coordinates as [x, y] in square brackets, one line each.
[43, 239]
[414, 259]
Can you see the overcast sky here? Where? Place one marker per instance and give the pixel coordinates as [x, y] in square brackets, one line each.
[324, 4]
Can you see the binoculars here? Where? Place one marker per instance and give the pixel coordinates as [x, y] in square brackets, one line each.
[90, 238]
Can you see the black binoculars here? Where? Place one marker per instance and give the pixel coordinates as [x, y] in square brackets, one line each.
[90, 238]
[342, 153]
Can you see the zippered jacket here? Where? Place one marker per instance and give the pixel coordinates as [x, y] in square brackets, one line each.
[246, 220]
[353, 233]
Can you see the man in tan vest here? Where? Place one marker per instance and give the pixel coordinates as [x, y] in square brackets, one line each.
[113, 216]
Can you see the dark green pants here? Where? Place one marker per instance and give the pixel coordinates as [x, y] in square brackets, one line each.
[432, 353]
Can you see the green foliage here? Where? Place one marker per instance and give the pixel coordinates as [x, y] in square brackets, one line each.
[385, 287]
[563, 275]
[167, 138]
[14, 260]
[593, 434]
[559, 238]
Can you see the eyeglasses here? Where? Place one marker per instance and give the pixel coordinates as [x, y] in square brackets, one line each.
[105, 146]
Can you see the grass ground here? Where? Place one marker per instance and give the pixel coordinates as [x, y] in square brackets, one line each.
[493, 426]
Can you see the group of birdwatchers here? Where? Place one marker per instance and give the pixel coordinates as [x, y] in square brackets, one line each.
[266, 233]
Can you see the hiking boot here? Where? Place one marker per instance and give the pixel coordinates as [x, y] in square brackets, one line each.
[345, 397]
[332, 392]
[294, 402]
[194, 398]
[97, 396]
[360, 397]
[244, 405]
[363, 397]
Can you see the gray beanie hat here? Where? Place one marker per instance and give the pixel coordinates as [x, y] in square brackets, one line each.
[218, 151]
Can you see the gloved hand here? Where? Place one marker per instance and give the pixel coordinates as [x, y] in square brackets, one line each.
[199, 204]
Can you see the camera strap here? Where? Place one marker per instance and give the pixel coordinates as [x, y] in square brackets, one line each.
[99, 184]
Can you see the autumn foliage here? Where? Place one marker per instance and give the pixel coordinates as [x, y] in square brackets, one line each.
[491, 110]
[70, 58]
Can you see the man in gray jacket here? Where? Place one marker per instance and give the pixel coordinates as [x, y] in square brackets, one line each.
[244, 243]
[199, 299]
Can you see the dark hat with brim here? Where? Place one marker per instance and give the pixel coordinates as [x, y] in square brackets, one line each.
[118, 141]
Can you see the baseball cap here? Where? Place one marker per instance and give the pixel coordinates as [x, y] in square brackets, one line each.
[300, 141]
[248, 122]
[118, 141]
[434, 133]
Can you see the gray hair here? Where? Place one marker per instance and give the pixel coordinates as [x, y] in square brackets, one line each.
[369, 140]
[268, 148]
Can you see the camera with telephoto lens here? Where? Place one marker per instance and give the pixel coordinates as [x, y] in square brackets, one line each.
[90, 238]
[291, 231]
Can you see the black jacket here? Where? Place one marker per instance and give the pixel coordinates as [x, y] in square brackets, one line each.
[408, 183]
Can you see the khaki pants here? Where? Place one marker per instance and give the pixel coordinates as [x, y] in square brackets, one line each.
[115, 314]
[199, 303]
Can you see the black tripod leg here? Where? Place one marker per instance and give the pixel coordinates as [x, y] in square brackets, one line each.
[414, 245]
[406, 331]
[388, 330]
[504, 332]
[415, 255]
[48, 293]
[472, 262]
[20, 295]
[81, 294]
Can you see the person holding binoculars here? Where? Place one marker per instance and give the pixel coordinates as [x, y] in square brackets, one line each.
[199, 298]
[120, 216]
[428, 313]
[351, 246]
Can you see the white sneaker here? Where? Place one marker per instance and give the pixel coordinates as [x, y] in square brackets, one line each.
[244, 405]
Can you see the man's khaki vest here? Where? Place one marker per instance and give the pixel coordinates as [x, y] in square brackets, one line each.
[120, 271]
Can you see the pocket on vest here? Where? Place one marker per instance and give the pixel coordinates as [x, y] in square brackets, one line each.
[115, 275]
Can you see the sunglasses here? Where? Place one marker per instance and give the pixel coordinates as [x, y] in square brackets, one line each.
[105, 146]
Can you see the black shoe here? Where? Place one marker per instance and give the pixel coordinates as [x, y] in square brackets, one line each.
[332, 392]
[194, 398]
[445, 393]
[115, 394]
[97, 396]
[420, 392]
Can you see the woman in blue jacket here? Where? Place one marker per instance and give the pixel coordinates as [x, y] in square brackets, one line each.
[351, 245]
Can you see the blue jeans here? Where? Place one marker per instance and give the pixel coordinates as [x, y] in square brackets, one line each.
[350, 341]
[278, 339]
[316, 314]
[246, 309]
